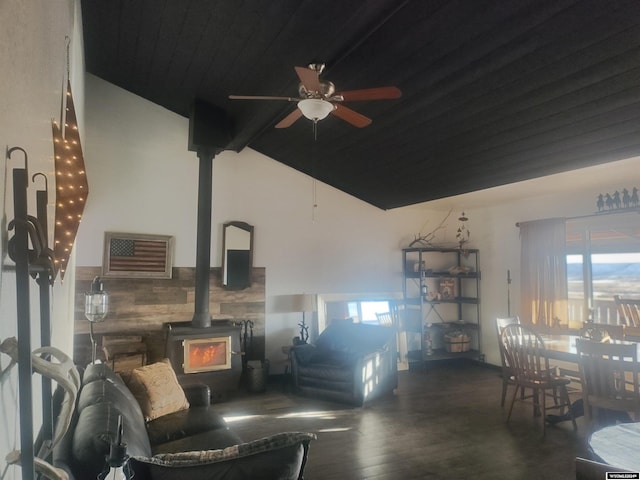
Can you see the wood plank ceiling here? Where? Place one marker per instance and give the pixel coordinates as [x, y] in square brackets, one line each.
[494, 92]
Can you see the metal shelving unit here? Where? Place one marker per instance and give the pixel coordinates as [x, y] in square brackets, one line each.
[441, 292]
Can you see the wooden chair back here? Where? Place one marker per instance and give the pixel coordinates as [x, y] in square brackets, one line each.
[385, 319]
[628, 310]
[507, 373]
[526, 355]
[501, 323]
[610, 377]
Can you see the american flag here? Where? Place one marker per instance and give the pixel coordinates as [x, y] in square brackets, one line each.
[128, 255]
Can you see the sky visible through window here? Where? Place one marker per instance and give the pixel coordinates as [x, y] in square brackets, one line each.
[613, 274]
[368, 309]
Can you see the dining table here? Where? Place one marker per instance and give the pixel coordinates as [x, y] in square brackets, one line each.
[563, 347]
[618, 446]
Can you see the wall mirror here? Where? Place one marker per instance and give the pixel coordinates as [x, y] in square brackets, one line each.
[237, 255]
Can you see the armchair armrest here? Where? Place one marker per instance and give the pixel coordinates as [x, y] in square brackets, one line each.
[303, 353]
[198, 394]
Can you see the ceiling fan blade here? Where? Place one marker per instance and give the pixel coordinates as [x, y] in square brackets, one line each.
[289, 119]
[380, 93]
[354, 118]
[263, 97]
[309, 78]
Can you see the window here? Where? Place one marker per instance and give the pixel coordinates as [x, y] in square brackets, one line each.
[603, 260]
[355, 307]
[365, 311]
[358, 311]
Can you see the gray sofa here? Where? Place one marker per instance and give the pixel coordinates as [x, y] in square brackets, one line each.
[351, 363]
[193, 443]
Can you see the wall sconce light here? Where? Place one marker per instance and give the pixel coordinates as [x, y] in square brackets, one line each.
[96, 307]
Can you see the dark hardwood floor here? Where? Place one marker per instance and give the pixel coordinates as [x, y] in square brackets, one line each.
[444, 422]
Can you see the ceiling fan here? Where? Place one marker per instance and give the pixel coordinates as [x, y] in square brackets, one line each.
[318, 98]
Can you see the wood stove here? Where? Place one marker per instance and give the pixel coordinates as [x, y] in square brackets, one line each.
[209, 355]
[206, 354]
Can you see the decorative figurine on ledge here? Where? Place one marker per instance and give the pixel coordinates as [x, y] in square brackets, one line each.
[615, 201]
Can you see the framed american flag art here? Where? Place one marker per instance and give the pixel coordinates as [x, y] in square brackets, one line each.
[136, 255]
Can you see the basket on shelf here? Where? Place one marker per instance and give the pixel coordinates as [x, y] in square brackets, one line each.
[456, 342]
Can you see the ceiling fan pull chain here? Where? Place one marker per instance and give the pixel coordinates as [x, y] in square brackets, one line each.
[314, 185]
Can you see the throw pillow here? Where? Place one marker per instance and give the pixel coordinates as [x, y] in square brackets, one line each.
[157, 390]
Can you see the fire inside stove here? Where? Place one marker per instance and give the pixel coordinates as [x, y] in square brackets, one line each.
[207, 354]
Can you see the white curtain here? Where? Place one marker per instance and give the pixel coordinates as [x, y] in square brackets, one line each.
[543, 268]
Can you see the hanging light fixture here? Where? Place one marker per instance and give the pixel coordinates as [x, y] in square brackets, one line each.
[96, 307]
[315, 108]
[117, 465]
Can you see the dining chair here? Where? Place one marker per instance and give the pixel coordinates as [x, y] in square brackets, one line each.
[610, 379]
[628, 310]
[526, 353]
[507, 373]
[385, 319]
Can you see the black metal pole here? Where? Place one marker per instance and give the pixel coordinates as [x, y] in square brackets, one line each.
[44, 283]
[201, 317]
[20, 183]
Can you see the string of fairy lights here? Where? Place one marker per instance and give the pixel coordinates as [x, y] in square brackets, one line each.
[71, 185]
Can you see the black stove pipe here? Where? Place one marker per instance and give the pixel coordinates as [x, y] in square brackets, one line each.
[210, 132]
[201, 317]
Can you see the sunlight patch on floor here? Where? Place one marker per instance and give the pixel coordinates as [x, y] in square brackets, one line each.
[336, 429]
[317, 414]
[240, 418]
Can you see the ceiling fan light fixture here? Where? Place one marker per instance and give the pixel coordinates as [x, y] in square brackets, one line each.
[315, 108]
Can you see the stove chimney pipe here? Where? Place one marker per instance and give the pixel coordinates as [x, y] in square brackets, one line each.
[209, 133]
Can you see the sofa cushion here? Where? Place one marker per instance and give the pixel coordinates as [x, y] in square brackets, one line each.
[280, 456]
[184, 423]
[210, 440]
[108, 391]
[324, 371]
[157, 390]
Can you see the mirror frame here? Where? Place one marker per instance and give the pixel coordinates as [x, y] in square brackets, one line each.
[225, 263]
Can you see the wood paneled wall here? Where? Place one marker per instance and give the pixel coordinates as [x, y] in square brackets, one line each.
[139, 306]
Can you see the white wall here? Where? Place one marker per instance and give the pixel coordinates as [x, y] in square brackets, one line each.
[33, 53]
